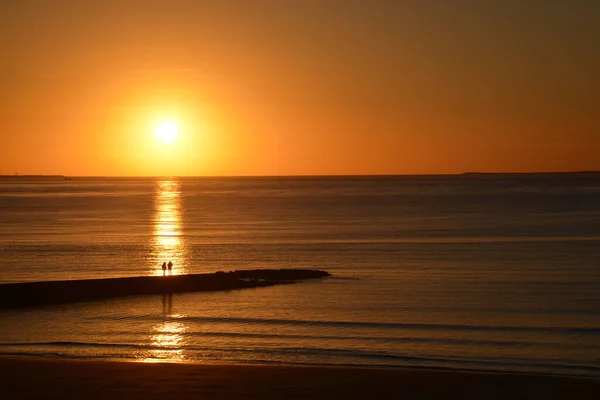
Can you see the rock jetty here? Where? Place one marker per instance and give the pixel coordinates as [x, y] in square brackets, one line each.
[16, 295]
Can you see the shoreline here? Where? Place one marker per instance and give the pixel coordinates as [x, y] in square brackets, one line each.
[29, 377]
[277, 364]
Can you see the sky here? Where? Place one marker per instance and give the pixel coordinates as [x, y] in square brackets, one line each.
[313, 87]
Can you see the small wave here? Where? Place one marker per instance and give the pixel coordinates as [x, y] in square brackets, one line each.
[134, 346]
[381, 358]
[378, 325]
[301, 355]
[384, 339]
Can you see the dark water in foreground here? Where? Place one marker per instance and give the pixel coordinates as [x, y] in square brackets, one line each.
[486, 272]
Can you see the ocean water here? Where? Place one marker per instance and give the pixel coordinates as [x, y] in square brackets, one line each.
[477, 272]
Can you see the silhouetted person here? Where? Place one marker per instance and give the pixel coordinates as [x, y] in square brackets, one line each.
[164, 267]
[170, 265]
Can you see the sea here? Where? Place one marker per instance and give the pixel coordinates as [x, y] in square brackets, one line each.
[483, 272]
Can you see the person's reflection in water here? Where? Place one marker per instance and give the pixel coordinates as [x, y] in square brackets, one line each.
[167, 300]
[166, 337]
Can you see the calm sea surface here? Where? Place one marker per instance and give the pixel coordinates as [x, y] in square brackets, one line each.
[484, 272]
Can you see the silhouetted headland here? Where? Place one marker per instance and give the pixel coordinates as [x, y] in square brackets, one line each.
[16, 295]
[591, 172]
[33, 177]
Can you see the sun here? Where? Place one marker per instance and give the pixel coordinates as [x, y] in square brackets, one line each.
[166, 131]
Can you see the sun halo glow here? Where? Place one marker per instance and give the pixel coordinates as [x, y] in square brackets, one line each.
[166, 131]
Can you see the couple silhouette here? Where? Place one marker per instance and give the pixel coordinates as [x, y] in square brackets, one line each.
[165, 266]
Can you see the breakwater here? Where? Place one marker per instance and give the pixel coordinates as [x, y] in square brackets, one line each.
[16, 295]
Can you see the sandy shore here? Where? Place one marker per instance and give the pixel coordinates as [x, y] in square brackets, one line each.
[49, 379]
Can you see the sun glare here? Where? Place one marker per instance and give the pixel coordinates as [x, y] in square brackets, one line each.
[166, 132]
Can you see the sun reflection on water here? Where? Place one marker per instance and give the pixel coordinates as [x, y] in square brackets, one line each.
[166, 338]
[167, 240]
[167, 342]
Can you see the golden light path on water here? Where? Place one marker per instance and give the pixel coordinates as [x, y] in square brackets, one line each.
[168, 244]
[166, 338]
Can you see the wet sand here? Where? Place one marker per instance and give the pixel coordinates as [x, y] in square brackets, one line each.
[29, 378]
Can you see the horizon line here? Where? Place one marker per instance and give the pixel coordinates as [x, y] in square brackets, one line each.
[298, 176]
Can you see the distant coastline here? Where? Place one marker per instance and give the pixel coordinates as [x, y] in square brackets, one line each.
[590, 172]
[52, 177]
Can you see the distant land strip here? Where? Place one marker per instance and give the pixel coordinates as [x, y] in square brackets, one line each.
[16, 176]
[591, 172]
[27, 294]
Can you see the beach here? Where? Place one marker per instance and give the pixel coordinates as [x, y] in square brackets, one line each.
[30, 378]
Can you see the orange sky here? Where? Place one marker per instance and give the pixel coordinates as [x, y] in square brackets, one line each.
[299, 87]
